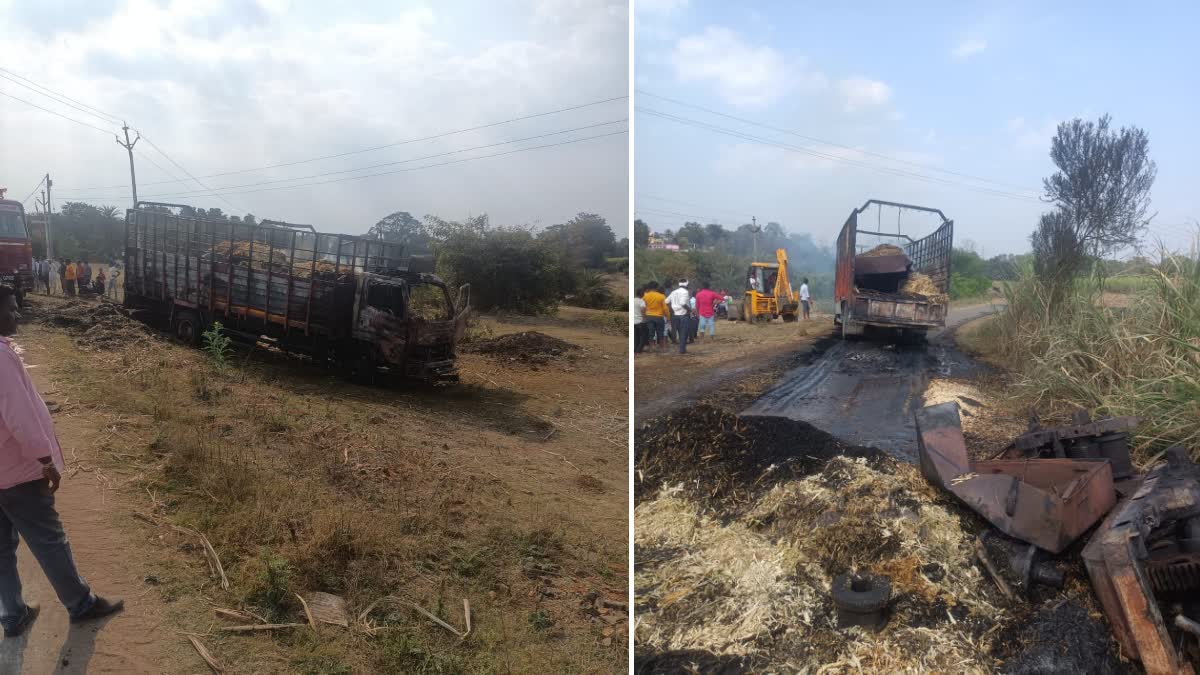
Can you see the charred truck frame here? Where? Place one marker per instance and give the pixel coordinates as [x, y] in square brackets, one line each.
[867, 289]
[338, 298]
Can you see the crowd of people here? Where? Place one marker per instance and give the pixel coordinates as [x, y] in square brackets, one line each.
[70, 278]
[679, 317]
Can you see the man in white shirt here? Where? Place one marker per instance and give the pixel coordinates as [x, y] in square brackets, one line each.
[804, 296]
[639, 321]
[111, 288]
[681, 309]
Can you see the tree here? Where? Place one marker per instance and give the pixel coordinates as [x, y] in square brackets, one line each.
[216, 214]
[249, 219]
[641, 234]
[1101, 191]
[110, 212]
[586, 237]
[402, 227]
[691, 233]
[714, 234]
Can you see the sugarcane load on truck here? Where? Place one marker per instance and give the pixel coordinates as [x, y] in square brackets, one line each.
[357, 303]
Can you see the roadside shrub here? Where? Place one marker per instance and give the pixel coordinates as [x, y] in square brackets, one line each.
[962, 286]
[592, 290]
[1068, 350]
[507, 268]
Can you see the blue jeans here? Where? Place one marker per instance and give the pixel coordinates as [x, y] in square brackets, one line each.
[711, 322]
[28, 510]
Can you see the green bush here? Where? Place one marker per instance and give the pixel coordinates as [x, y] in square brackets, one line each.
[508, 268]
[217, 345]
[962, 286]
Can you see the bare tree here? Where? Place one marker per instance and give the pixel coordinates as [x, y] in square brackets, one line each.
[1101, 191]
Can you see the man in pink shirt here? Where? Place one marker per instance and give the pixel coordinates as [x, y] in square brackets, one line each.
[706, 301]
[30, 462]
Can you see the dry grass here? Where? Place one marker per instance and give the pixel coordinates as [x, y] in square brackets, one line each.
[758, 585]
[305, 483]
[1142, 359]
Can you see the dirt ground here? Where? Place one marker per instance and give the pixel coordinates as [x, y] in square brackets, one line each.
[740, 362]
[508, 490]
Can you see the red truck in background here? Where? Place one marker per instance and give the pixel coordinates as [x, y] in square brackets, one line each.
[16, 249]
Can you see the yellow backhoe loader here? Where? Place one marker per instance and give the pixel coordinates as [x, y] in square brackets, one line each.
[768, 293]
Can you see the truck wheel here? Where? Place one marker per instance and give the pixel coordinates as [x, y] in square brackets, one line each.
[188, 327]
[743, 312]
[789, 318]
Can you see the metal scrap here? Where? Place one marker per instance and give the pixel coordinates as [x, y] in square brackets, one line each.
[1046, 502]
[1145, 559]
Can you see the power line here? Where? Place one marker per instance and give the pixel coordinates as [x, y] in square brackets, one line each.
[406, 161]
[657, 211]
[808, 151]
[388, 145]
[419, 168]
[52, 112]
[189, 175]
[686, 203]
[113, 118]
[34, 190]
[831, 143]
[65, 100]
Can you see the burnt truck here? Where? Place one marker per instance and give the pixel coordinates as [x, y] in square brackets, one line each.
[354, 302]
[874, 289]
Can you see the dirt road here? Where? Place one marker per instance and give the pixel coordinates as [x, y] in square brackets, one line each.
[111, 558]
[743, 359]
[866, 392]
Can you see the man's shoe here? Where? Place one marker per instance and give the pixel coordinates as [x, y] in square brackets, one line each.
[31, 613]
[100, 608]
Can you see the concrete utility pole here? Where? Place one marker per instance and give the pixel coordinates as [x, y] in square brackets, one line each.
[46, 206]
[754, 236]
[129, 148]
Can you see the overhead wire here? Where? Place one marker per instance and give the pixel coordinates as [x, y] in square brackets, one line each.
[54, 112]
[388, 145]
[416, 168]
[185, 171]
[832, 143]
[413, 159]
[34, 190]
[64, 100]
[808, 151]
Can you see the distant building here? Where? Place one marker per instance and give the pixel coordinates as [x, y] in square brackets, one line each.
[657, 241]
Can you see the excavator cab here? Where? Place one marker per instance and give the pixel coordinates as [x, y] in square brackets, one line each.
[768, 292]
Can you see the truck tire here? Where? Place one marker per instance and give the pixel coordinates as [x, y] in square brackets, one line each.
[188, 327]
[789, 318]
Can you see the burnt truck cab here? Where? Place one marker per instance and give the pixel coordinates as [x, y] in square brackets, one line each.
[405, 321]
[16, 249]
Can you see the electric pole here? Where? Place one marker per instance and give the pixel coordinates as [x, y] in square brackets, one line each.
[46, 206]
[129, 148]
[754, 235]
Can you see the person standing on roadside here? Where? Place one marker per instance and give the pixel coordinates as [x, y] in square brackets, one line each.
[111, 288]
[656, 315]
[638, 314]
[804, 297]
[706, 303]
[681, 321]
[30, 465]
[70, 274]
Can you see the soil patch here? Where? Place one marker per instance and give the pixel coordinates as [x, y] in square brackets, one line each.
[723, 459]
[1064, 638]
[525, 347]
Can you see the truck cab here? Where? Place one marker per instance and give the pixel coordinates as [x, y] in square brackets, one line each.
[407, 323]
[16, 248]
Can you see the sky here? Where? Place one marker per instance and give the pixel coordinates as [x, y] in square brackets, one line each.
[865, 95]
[227, 85]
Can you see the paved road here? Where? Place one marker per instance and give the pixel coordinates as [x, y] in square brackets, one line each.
[866, 392]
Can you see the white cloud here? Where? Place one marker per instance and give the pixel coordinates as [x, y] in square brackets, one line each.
[859, 93]
[231, 84]
[742, 74]
[658, 6]
[968, 48]
[1032, 136]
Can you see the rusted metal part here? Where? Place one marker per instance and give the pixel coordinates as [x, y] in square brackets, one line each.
[1046, 502]
[1147, 529]
[1030, 568]
[883, 264]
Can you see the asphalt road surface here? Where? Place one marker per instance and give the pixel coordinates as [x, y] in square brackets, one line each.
[866, 392]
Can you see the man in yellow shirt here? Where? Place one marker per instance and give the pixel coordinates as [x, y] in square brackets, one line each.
[656, 314]
[72, 274]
